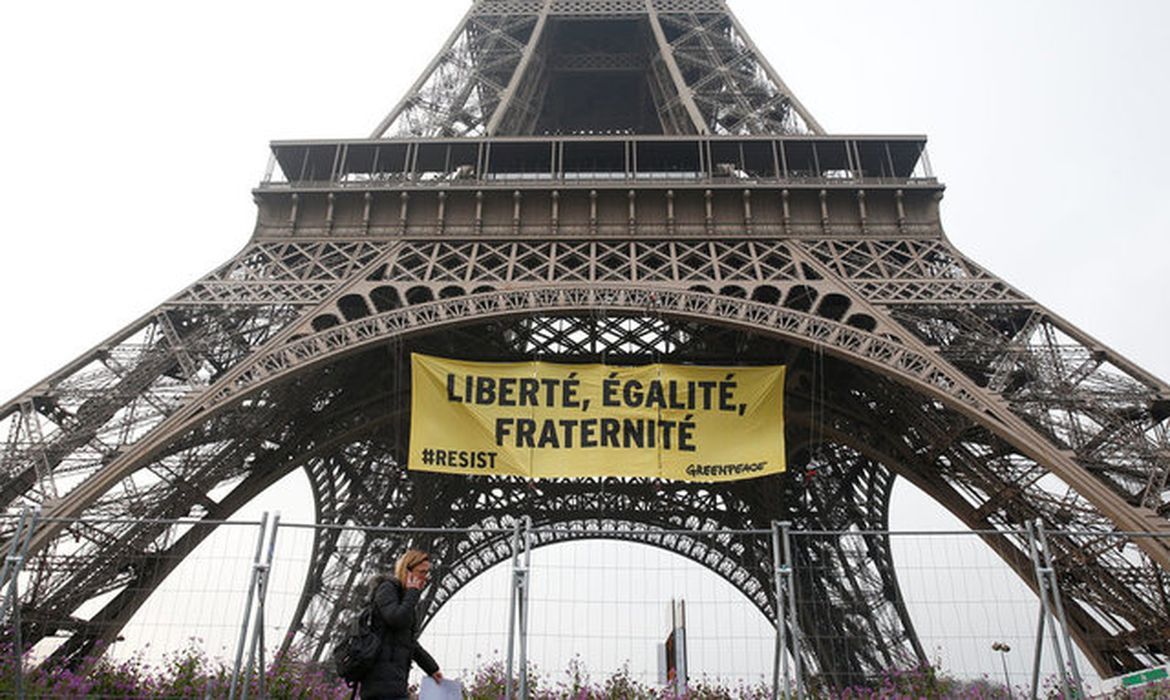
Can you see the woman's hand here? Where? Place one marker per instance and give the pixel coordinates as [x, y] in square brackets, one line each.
[415, 581]
[438, 676]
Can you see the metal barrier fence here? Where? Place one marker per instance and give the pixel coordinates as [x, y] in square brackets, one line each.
[559, 608]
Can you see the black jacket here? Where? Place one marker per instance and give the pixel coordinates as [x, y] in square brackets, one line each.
[394, 606]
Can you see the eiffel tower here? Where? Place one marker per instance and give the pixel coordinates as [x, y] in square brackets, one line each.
[602, 180]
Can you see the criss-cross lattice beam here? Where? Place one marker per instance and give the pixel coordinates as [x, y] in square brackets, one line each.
[492, 75]
[464, 85]
[729, 81]
[61, 431]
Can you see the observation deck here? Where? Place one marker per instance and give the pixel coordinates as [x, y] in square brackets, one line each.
[602, 160]
[599, 186]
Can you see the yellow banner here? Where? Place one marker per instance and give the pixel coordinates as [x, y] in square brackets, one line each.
[541, 420]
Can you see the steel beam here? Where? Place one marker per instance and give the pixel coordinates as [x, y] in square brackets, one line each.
[680, 84]
[509, 93]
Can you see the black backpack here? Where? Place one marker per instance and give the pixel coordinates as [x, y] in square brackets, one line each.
[357, 650]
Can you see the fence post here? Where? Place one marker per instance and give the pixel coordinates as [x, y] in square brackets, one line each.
[10, 580]
[1059, 603]
[781, 657]
[257, 647]
[794, 623]
[1036, 656]
[248, 608]
[681, 678]
[523, 590]
[1044, 583]
[15, 558]
[512, 596]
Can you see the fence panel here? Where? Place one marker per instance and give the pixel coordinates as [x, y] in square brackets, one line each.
[197, 607]
[1094, 566]
[976, 618]
[599, 603]
[157, 614]
[968, 606]
[609, 605]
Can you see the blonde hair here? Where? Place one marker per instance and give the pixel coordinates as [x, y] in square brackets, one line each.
[409, 559]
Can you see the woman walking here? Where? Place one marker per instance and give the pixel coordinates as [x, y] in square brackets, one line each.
[395, 603]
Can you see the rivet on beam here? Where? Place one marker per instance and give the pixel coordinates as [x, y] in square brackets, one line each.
[787, 210]
[403, 210]
[747, 211]
[555, 197]
[292, 212]
[863, 211]
[709, 196]
[633, 198]
[479, 211]
[825, 210]
[670, 212]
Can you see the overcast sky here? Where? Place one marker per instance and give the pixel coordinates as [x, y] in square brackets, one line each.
[133, 133]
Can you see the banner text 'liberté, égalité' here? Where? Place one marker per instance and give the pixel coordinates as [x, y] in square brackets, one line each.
[545, 420]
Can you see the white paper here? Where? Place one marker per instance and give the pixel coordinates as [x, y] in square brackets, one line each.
[447, 690]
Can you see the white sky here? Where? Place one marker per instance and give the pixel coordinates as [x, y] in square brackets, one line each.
[133, 131]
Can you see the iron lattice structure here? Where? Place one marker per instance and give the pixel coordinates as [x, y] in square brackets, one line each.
[693, 212]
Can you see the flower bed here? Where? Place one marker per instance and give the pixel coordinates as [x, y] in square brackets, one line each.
[191, 674]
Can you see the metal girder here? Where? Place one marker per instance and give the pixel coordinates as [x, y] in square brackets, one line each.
[598, 8]
[462, 88]
[509, 94]
[412, 95]
[734, 88]
[981, 486]
[682, 90]
[921, 366]
[80, 419]
[810, 121]
[483, 81]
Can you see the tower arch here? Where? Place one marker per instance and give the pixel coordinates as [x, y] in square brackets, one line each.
[354, 457]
